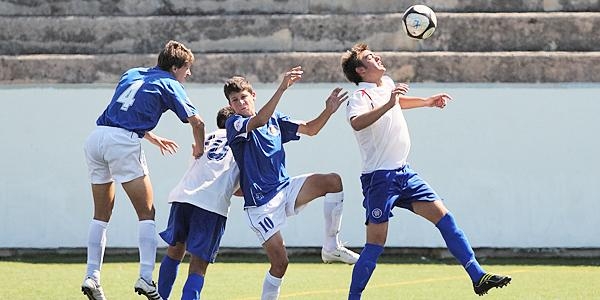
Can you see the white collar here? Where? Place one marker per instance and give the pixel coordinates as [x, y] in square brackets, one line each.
[366, 85]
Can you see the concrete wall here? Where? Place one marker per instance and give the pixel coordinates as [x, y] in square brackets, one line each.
[93, 41]
[517, 164]
[228, 7]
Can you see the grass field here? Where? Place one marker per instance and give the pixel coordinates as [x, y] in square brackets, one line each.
[240, 278]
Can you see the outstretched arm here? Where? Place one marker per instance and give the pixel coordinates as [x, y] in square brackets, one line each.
[437, 100]
[333, 102]
[263, 115]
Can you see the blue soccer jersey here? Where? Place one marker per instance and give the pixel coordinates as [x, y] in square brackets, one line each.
[260, 156]
[142, 96]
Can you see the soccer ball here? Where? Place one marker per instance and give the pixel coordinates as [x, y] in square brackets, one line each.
[419, 22]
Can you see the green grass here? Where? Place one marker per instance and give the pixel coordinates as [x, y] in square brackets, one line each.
[240, 278]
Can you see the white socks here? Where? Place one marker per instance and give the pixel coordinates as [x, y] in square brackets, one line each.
[97, 243]
[95, 248]
[271, 287]
[147, 245]
[332, 211]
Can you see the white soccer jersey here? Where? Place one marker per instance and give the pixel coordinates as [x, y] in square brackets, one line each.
[384, 145]
[211, 180]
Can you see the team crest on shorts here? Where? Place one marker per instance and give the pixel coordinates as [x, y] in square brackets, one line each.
[376, 213]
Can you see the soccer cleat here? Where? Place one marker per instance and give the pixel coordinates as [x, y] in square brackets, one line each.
[489, 281]
[147, 289]
[341, 254]
[92, 289]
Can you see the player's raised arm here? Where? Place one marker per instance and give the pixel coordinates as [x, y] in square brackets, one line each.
[437, 100]
[263, 115]
[333, 102]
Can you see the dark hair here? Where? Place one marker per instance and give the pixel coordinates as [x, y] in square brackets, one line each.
[350, 62]
[236, 84]
[174, 54]
[224, 114]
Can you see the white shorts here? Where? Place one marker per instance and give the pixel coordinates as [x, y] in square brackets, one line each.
[268, 219]
[114, 154]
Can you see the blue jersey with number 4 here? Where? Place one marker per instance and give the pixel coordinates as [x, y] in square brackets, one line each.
[260, 156]
[142, 96]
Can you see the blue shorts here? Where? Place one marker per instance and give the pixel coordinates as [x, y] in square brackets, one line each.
[199, 229]
[385, 189]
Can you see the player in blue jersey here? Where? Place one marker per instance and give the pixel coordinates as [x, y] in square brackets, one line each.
[113, 153]
[374, 112]
[270, 195]
[199, 207]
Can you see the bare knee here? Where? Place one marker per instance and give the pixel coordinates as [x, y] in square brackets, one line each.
[432, 211]
[176, 252]
[279, 267]
[198, 265]
[146, 214]
[332, 183]
[377, 233]
[103, 212]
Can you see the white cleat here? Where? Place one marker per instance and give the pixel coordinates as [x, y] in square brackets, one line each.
[147, 289]
[341, 254]
[92, 289]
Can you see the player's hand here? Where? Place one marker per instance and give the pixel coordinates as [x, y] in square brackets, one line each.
[165, 145]
[290, 77]
[438, 100]
[400, 89]
[335, 99]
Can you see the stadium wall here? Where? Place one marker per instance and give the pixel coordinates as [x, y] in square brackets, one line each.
[516, 164]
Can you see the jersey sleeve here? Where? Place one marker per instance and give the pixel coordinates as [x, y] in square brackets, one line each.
[358, 104]
[288, 127]
[180, 104]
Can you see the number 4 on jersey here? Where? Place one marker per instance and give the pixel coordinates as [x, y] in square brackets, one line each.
[128, 96]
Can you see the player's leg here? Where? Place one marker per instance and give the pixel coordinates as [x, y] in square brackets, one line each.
[330, 186]
[266, 221]
[103, 193]
[420, 197]
[455, 238]
[140, 193]
[379, 199]
[459, 245]
[203, 239]
[275, 249]
[362, 271]
[195, 280]
[104, 199]
[169, 267]
[175, 235]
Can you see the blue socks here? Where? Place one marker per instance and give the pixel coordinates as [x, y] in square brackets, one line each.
[459, 246]
[363, 269]
[192, 287]
[166, 276]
